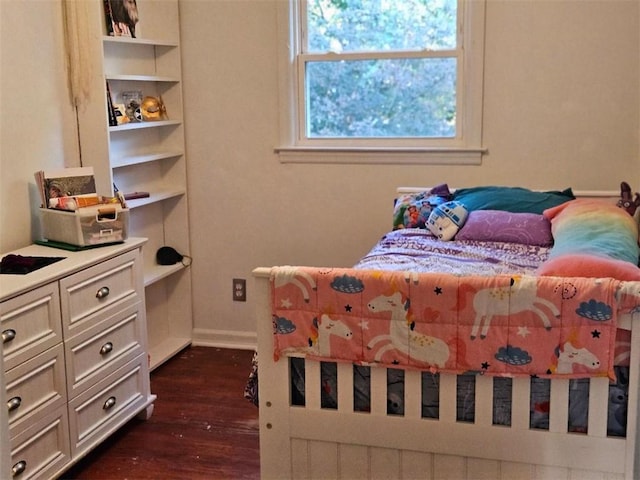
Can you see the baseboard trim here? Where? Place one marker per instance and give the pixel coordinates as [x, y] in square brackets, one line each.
[203, 337]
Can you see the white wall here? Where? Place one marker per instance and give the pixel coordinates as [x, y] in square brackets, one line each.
[562, 104]
[37, 120]
[562, 92]
[561, 109]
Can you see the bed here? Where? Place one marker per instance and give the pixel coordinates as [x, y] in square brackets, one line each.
[431, 388]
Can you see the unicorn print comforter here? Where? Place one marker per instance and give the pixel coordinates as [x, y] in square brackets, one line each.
[504, 325]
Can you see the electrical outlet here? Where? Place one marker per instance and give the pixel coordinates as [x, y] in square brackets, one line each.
[239, 290]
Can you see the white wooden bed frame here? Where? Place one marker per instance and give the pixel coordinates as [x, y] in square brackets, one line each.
[300, 442]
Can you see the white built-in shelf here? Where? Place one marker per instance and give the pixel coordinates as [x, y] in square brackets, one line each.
[140, 125]
[155, 197]
[160, 353]
[138, 159]
[146, 156]
[156, 272]
[139, 41]
[142, 78]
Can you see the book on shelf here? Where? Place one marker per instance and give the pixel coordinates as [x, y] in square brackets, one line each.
[107, 17]
[122, 18]
[113, 120]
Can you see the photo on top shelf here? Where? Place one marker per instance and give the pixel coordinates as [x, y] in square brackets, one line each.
[122, 18]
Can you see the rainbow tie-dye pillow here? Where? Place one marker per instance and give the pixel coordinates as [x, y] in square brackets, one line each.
[592, 238]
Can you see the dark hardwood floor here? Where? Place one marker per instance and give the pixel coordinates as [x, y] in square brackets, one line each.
[201, 427]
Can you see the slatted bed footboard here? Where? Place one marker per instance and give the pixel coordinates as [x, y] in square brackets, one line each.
[309, 441]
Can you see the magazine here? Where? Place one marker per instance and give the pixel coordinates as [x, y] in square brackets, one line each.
[58, 187]
[122, 19]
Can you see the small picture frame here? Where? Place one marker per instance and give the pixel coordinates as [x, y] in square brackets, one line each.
[132, 99]
[120, 112]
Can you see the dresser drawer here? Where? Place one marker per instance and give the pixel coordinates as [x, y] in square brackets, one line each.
[30, 324]
[113, 283]
[35, 387]
[106, 406]
[41, 451]
[104, 347]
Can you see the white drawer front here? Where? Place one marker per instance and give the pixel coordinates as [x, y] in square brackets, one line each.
[107, 405]
[30, 324]
[86, 293]
[43, 449]
[35, 387]
[103, 348]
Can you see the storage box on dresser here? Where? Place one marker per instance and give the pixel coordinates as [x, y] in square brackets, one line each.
[87, 226]
[74, 353]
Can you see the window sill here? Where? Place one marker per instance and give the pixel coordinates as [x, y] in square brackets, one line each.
[381, 155]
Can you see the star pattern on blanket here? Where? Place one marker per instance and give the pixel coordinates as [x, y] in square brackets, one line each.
[285, 303]
[523, 332]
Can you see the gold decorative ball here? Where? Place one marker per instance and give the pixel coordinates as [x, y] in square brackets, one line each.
[152, 108]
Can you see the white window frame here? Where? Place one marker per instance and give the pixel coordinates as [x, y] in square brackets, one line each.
[465, 148]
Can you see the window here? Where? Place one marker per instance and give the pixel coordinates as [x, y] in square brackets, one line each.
[382, 76]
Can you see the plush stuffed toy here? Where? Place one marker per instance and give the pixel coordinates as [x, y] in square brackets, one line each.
[626, 199]
[446, 219]
[630, 204]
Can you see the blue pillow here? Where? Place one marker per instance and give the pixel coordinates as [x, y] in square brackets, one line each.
[511, 199]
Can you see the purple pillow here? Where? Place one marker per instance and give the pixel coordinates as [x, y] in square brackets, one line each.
[501, 226]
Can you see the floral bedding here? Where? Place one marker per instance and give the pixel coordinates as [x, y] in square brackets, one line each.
[418, 250]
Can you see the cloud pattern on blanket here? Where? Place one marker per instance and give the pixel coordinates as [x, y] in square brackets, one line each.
[494, 325]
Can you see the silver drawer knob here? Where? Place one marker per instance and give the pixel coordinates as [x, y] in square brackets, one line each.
[110, 403]
[18, 468]
[102, 293]
[8, 335]
[14, 403]
[106, 348]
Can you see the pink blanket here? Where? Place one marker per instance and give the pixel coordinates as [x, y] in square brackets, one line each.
[495, 325]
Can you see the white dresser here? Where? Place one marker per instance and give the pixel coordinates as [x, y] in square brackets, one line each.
[75, 360]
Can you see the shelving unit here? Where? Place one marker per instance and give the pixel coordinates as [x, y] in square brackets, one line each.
[147, 156]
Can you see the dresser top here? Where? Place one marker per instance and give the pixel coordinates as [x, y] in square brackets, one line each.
[12, 285]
